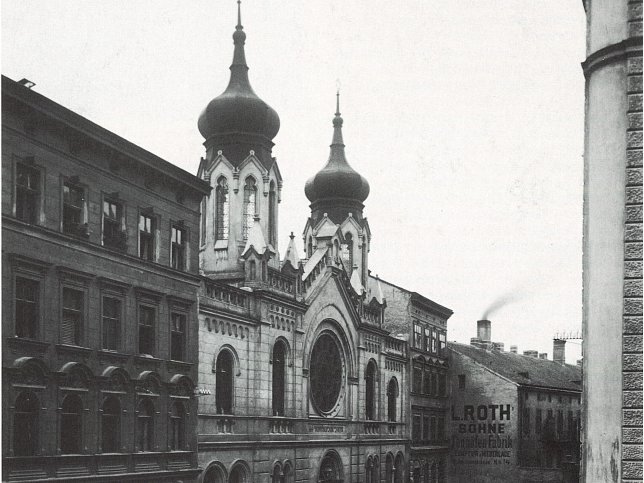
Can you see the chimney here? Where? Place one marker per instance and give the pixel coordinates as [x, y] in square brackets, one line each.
[484, 330]
[559, 351]
[514, 349]
[534, 354]
[543, 355]
[499, 346]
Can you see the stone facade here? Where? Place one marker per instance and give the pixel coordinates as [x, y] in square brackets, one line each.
[612, 430]
[100, 331]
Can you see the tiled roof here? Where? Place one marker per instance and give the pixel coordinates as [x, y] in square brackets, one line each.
[515, 367]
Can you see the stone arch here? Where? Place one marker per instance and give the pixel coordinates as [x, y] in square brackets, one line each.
[117, 377]
[399, 463]
[239, 472]
[32, 369]
[182, 385]
[333, 320]
[149, 381]
[233, 352]
[372, 379]
[214, 473]
[76, 374]
[331, 467]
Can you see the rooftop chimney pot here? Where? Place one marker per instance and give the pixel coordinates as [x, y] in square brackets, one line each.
[484, 330]
[559, 351]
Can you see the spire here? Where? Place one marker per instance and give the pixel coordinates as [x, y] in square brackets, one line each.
[291, 255]
[337, 142]
[239, 68]
[256, 239]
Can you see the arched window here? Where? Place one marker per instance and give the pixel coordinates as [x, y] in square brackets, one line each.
[177, 427]
[252, 269]
[348, 254]
[310, 247]
[71, 425]
[289, 475]
[224, 383]
[368, 467]
[145, 425]
[392, 396]
[250, 205]
[375, 470]
[111, 425]
[331, 468]
[222, 209]
[215, 474]
[272, 214]
[25, 424]
[370, 391]
[279, 378]
[336, 248]
[389, 468]
[399, 473]
[239, 475]
[276, 477]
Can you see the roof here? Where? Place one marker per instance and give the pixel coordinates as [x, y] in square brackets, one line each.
[87, 127]
[515, 367]
[313, 261]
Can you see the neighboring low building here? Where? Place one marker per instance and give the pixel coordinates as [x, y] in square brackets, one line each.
[422, 323]
[514, 418]
[99, 301]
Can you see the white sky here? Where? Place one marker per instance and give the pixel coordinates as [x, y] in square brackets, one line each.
[466, 118]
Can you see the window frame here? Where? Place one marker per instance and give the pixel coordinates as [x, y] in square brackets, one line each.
[79, 436]
[153, 235]
[82, 228]
[248, 219]
[29, 163]
[179, 227]
[184, 344]
[119, 295]
[120, 242]
[117, 425]
[39, 291]
[81, 328]
[147, 437]
[143, 306]
[36, 424]
[224, 216]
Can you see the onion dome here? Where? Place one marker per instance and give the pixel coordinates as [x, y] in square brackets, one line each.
[337, 183]
[239, 110]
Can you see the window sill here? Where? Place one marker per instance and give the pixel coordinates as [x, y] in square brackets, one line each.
[76, 349]
[112, 354]
[24, 341]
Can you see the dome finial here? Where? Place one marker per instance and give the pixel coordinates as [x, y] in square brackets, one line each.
[337, 97]
[239, 24]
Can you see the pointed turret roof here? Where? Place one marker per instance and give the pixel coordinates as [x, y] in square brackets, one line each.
[356, 283]
[292, 255]
[256, 239]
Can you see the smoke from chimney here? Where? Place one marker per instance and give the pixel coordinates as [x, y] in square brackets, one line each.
[502, 301]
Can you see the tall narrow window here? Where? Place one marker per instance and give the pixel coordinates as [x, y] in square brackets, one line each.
[178, 251]
[177, 427]
[434, 341]
[111, 425]
[145, 425]
[202, 222]
[526, 421]
[27, 193]
[146, 237]
[178, 337]
[348, 254]
[272, 214]
[427, 337]
[250, 206]
[71, 425]
[441, 429]
[147, 317]
[113, 235]
[25, 424]
[392, 396]
[433, 433]
[442, 384]
[426, 428]
[279, 379]
[442, 343]
[418, 379]
[538, 421]
[222, 209]
[310, 247]
[27, 307]
[370, 390]
[416, 428]
[418, 336]
[111, 323]
[73, 198]
[72, 325]
[224, 383]
[427, 381]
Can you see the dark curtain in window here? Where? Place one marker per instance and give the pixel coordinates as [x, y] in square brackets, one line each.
[279, 386]
[224, 383]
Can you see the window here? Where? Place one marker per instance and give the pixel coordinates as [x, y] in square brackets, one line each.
[560, 423]
[435, 384]
[441, 429]
[434, 340]
[427, 337]
[178, 337]
[348, 254]
[178, 251]
[25, 424]
[526, 421]
[202, 222]
[146, 238]
[71, 425]
[416, 428]
[250, 207]
[113, 234]
[538, 421]
[272, 214]
[72, 325]
[442, 385]
[571, 423]
[111, 323]
[432, 429]
[145, 425]
[224, 383]
[370, 391]
[418, 380]
[461, 381]
[442, 343]
[427, 382]
[177, 427]
[279, 378]
[418, 336]
[27, 193]
[147, 317]
[426, 436]
[326, 372]
[222, 209]
[27, 307]
[111, 425]
[392, 396]
[73, 200]
[310, 247]
[252, 270]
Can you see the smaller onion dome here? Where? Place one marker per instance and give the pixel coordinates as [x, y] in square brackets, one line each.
[238, 109]
[337, 179]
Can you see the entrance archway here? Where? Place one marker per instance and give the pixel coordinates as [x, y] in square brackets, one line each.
[331, 470]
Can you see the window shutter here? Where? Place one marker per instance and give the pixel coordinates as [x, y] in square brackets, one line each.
[68, 330]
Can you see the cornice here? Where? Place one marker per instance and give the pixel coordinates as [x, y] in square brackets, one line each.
[611, 54]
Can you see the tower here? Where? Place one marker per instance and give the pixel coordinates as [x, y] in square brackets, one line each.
[337, 193]
[238, 128]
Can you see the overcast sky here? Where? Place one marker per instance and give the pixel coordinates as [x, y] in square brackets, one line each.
[466, 118]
